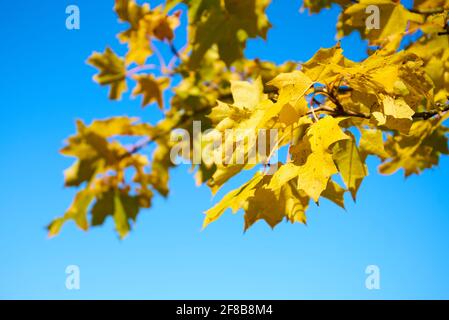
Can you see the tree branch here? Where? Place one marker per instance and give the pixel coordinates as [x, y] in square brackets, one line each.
[141, 68]
[335, 112]
[174, 50]
[341, 112]
[430, 114]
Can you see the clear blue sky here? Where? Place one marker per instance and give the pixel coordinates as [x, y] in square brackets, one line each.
[400, 225]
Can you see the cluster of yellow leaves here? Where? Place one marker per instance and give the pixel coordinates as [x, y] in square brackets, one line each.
[394, 20]
[150, 88]
[144, 24]
[386, 23]
[329, 114]
[287, 192]
[419, 150]
[260, 201]
[199, 91]
[194, 97]
[226, 24]
[215, 27]
[112, 72]
[100, 168]
[434, 51]
[385, 92]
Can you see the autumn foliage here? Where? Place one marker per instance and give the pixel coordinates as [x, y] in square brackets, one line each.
[330, 113]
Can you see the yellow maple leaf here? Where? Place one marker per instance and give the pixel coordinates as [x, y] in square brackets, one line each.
[226, 24]
[393, 19]
[335, 193]
[372, 142]
[418, 150]
[291, 104]
[112, 72]
[151, 89]
[314, 174]
[396, 114]
[145, 24]
[350, 164]
[312, 159]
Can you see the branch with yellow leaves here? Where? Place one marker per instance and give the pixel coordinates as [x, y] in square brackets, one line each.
[340, 111]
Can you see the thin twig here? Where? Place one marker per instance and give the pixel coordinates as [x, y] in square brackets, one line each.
[159, 57]
[174, 50]
[341, 112]
[429, 114]
[140, 68]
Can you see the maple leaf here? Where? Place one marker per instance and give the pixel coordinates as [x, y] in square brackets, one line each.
[350, 164]
[139, 48]
[315, 158]
[92, 149]
[246, 114]
[396, 114]
[394, 19]
[372, 143]
[130, 11]
[93, 152]
[314, 174]
[418, 150]
[97, 155]
[160, 166]
[227, 24]
[291, 104]
[77, 211]
[145, 24]
[120, 206]
[136, 36]
[434, 51]
[335, 193]
[234, 200]
[322, 66]
[312, 159]
[151, 89]
[264, 204]
[112, 72]
[247, 97]
[260, 202]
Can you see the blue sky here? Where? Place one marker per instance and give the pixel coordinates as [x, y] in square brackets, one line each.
[399, 225]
